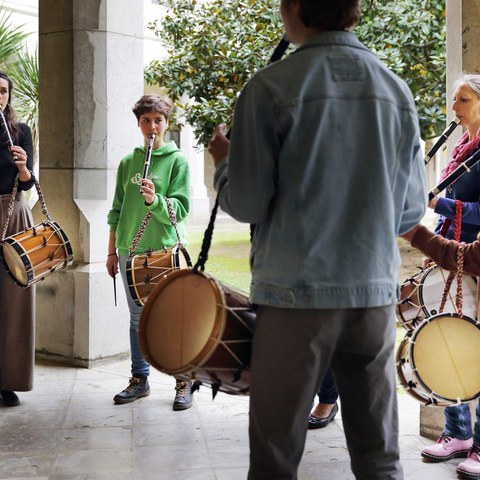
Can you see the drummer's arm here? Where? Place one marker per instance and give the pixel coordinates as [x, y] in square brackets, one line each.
[409, 235]
[112, 258]
[444, 252]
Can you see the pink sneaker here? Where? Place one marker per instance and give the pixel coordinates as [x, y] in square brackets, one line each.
[470, 468]
[447, 447]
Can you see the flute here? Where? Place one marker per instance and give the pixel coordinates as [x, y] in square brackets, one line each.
[5, 128]
[464, 167]
[148, 156]
[443, 138]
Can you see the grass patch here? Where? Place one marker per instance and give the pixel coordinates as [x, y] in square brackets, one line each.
[228, 258]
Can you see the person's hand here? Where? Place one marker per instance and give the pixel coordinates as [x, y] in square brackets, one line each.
[433, 203]
[148, 191]
[427, 263]
[219, 144]
[21, 158]
[112, 264]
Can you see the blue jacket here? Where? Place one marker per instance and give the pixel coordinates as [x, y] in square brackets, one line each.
[325, 159]
[466, 189]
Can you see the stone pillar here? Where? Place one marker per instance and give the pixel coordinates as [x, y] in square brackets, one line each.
[91, 73]
[463, 56]
[199, 201]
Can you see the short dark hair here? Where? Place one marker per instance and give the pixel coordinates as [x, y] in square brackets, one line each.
[153, 103]
[329, 14]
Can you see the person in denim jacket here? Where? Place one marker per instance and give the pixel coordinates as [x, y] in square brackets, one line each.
[324, 159]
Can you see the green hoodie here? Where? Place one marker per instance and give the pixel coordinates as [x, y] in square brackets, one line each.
[169, 172]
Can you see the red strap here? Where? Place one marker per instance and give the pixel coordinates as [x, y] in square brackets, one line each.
[446, 225]
[457, 226]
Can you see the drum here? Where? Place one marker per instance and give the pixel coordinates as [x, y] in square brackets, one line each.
[33, 254]
[195, 326]
[438, 362]
[421, 296]
[146, 270]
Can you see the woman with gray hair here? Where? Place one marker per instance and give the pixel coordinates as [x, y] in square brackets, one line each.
[456, 440]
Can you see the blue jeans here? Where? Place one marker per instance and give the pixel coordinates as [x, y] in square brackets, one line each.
[328, 393]
[458, 422]
[139, 365]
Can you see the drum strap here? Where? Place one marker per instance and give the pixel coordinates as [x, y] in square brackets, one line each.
[446, 225]
[143, 226]
[207, 239]
[12, 204]
[460, 258]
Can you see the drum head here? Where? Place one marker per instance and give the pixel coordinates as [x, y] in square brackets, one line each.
[14, 263]
[431, 291]
[181, 322]
[445, 356]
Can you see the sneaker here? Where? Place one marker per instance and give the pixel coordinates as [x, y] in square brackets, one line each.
[9, 398]
[184, 396]
[137, 388]
[446, 448]
[470, 468]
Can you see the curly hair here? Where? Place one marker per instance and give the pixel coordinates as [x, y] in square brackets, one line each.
[153, 103]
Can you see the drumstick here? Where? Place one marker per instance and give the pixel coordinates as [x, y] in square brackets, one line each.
[115, 289]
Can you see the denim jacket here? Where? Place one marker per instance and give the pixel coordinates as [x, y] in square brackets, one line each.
[325, 160]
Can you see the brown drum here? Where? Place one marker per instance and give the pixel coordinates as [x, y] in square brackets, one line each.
[146, 270]
[421, 297]
[192, 324]
[33, 254]
[437, 363]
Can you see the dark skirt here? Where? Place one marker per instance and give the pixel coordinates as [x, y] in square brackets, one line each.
[17, 310]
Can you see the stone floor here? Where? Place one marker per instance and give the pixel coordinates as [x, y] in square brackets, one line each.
[69, 428]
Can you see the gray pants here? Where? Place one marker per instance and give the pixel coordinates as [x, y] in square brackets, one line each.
[17, 310]
[291, 351]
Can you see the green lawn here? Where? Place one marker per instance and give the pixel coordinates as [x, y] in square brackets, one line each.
[228, 256]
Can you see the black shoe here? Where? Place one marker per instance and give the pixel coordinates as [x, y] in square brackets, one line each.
[316, 422]
[137, 388]
[10, 399]
[183, 397]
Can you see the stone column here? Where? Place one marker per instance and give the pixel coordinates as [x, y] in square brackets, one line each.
[199, 201]
[91, 73]
[463, 56]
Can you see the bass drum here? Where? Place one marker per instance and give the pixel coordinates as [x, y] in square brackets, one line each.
[421, 297]
[437, 363]
[193, 325]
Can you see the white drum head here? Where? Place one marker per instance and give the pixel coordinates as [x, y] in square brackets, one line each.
[15, 264]
[432, 287]
[445, 355]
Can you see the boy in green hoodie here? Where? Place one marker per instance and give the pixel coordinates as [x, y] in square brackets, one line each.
[135, 196]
